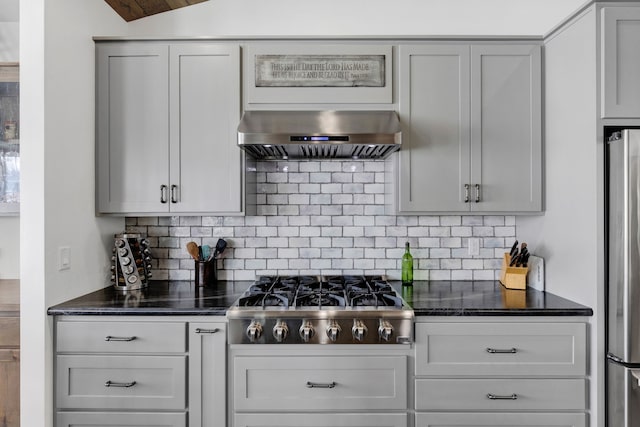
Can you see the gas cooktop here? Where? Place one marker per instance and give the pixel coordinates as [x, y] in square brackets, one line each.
[320, 310]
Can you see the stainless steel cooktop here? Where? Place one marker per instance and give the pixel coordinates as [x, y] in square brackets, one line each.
[320, 310]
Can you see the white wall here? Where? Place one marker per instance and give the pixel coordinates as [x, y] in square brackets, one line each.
[569, 235]
[57, 132]
[57, 209]
[360, 17]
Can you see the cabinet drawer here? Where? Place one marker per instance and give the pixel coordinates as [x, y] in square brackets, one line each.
[121, 382]
[498, 420]
[107, 419]
[121, 337]
[9, 331]
[500, 394]
[320, 383]
[320, 420]
[501, 349]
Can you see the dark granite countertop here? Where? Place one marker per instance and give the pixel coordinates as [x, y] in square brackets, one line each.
[486, 298]
[160, 298]
[445, 298]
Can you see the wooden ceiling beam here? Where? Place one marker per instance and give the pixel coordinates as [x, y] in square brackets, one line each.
[130, 10]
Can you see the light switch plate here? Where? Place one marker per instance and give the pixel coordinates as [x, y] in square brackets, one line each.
[64, 258]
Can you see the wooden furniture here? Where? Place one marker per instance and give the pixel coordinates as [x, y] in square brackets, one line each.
[140, 370]
[10, 353]
[166, 128]
[471, 137]
[487, 372]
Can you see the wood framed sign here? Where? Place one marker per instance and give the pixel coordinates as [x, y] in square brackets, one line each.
[310, 73]
[320, 71]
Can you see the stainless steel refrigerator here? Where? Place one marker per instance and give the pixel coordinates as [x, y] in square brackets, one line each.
[623, 279]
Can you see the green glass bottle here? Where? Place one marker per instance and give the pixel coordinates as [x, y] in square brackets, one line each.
[407, 266]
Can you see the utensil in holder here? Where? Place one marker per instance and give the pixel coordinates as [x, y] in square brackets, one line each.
[131, 262]
[513, 277]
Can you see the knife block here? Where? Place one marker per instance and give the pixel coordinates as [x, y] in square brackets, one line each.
[513, 277]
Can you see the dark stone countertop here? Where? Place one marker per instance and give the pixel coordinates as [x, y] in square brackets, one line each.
[486, 298]
[445, 298]
[160, 298]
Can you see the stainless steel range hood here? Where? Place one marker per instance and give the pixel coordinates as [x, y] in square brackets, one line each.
[277, 135]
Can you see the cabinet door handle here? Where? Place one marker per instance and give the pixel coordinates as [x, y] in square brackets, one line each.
[111, 338]
[498, 397]
[466, 193]
[163, 194]
[332, 384]
[174, 194]
[502, 350]
[207, 331]
[477, 193]
[115, 384]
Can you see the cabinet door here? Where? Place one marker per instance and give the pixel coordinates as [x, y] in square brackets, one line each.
[499, 419]
[120, 419]
[434, 111]
[132, 152]
[207, 375]
[205, 164]
[321, 420]
[620, 62]
[506, 141]
[10, 387]
[319, 383]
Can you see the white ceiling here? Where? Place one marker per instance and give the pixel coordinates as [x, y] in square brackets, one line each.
[9, 10]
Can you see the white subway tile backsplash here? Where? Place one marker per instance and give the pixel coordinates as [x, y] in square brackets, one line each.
[328, 217]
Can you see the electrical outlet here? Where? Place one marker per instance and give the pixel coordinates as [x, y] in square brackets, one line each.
[64, 258]
[474, 246]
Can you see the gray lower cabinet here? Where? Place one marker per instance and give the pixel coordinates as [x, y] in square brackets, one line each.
[472, 129]
[620, 62]
[140, 371]
[119, 419]
[207, 374]
[483, 372]
[500, 420]
[166, 117]
[320, 420]
[318, 386]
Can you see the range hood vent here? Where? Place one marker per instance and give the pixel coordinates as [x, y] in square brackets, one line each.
[281, 135]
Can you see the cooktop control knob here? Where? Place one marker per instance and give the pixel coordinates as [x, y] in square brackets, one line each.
[359, 330]
[385, 330]
[280, 331]
[306, 331]
[333, 330]
[254, 331]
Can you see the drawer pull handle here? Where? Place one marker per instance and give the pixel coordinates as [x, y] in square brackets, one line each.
[110, 338]
[501, 351]
[496, 397]
[207, 331]
[113, 384]
[332, 384]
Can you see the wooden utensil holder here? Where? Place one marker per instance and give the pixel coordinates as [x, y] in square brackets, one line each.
[513, 277]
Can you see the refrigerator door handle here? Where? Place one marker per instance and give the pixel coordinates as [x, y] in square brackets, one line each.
[615, 359]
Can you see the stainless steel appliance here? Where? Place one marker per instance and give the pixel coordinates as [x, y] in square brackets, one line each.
[623, 279]
[320, 310]
[282, 135]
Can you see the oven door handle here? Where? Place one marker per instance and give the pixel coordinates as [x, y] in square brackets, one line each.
[332, 384]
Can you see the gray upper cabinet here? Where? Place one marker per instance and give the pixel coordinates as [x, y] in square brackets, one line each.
[471, 117]
[166, 128]
[621, 62]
